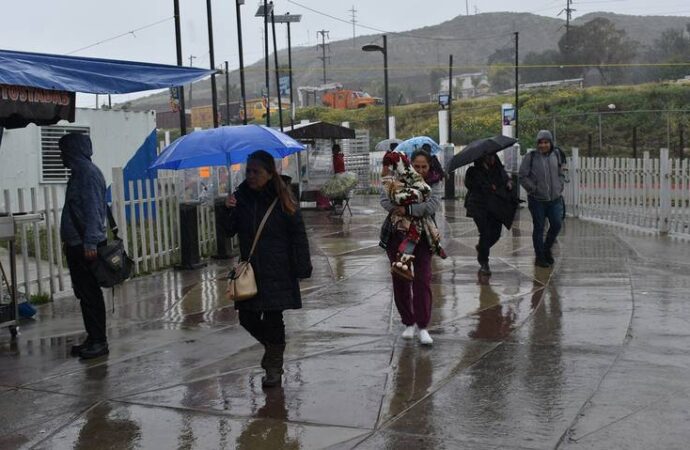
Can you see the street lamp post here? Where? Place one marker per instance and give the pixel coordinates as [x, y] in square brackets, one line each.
[384, 50]
[287, 19]
[178, 45]
[214, 91]
[263, 11]
[238, 3]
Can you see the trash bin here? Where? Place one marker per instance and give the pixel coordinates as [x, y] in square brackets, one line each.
[189, 237]
[220, 213]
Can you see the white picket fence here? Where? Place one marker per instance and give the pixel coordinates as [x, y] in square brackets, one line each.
[645, 193]
[45, 270]
[152, 231]
[149, 226]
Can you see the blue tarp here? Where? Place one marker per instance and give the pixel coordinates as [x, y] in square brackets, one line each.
[91, 75]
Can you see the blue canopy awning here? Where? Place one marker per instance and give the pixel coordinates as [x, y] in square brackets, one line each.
[91, 75]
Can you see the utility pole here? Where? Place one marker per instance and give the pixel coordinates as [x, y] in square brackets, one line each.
[323, 57]
[241, 52]
[227, 94]
[277, 69]
[214, 91]
[191, 85]
[568, 17]
[450, 98]
[267, 77]
[353, 20]
[517, 85]
[178, 44]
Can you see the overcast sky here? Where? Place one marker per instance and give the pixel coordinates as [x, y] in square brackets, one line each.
[90, 27]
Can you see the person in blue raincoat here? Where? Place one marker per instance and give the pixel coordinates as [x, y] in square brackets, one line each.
[82, 230]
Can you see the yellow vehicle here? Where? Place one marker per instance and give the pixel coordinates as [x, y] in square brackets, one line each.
[256, 108]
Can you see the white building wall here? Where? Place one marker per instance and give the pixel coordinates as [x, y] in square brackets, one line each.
[116, 136]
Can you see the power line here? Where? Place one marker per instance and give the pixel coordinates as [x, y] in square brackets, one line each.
[403, 33]
[121, 35]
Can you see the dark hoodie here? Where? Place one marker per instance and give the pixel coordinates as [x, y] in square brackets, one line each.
[85, 195]
[541, 174]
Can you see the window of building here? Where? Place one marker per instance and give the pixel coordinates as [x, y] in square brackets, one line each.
[52, 169]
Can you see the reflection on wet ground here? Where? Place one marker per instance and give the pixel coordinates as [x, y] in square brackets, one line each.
[591, 354]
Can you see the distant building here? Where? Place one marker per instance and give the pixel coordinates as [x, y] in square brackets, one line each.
[572, 82]
[467, 85]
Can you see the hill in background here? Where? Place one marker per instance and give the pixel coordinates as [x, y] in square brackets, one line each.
[418, 55]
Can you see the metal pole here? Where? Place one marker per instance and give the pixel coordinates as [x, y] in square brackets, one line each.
[275, 59]
[227, 94]
[601, 148]
[214, 92]
[178, 44]
[450, 100]
[517, 85]
[385, 82]
[239, 44]
[292, 104]
[191, 85]
[266, 68]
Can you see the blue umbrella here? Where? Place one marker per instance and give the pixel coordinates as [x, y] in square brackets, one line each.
[415, 143]
[224, 146]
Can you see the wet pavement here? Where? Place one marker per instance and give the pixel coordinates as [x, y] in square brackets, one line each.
[591, 354]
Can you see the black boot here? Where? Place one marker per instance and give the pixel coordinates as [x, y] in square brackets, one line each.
[94, 350]
[77, 348]
[484, 269]
[274, 365]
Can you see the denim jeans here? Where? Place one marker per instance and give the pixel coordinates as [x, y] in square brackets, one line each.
[541, 211]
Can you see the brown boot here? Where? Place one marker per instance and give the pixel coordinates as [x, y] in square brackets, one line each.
[274, 365]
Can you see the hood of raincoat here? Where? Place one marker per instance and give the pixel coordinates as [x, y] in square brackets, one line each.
[75, 148]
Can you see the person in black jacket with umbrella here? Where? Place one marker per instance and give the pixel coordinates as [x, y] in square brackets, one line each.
[489, 203]
[281, 257]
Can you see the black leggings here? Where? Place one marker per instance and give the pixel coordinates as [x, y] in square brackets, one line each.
[489, 233]
[267, 327]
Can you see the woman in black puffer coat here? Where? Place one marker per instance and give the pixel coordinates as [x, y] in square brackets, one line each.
[281, 257]
[489, 203]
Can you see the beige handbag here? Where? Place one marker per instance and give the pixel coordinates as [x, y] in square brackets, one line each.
[242, 282]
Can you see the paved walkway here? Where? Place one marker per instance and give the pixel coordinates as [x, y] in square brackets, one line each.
[591, 354]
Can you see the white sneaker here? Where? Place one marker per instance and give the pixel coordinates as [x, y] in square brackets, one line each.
[408, 333]
[424, 337]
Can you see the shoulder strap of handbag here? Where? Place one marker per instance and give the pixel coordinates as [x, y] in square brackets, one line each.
[261, 227]
[111, 222]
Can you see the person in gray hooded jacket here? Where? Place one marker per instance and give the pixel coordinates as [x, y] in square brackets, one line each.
[82, 230]
[541, 174]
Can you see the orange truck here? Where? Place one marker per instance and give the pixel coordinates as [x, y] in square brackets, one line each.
[348, 99]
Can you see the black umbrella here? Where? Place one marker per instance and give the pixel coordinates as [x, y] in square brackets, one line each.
[479, 149]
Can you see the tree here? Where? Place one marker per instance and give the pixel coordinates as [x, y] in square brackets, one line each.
[549, 67]
[672, 47]
[501, 73]
[435, 77]
[597, 43]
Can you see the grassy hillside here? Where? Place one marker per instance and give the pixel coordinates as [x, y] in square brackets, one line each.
[415, 56]
[659, 112]
[573, 113]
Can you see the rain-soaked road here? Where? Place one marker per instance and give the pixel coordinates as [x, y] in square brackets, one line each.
[592, 354]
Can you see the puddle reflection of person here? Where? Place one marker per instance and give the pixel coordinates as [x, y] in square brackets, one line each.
[269, 429]
[412, 378]
[495, 321]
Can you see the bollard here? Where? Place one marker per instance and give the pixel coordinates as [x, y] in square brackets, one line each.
[448, 153]
[189, 237]
[221, 215]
